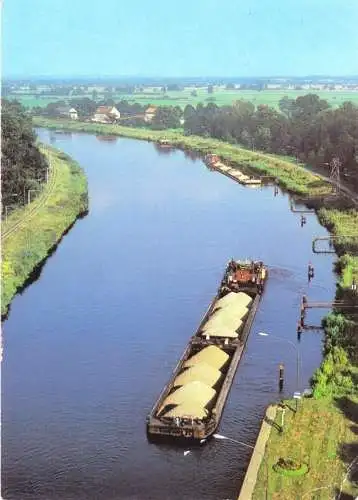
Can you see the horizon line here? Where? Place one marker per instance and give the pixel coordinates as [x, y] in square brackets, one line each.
[163, 77]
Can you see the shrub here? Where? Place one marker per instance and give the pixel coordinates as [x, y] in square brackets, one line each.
[289, 467]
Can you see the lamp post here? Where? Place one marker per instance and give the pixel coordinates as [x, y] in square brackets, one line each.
[264, 334]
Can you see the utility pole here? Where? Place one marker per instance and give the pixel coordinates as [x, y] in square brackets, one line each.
[334, 175]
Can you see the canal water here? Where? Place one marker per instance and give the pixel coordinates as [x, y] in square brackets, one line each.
[89, 346]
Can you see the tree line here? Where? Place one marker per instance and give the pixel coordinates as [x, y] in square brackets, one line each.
[306, 128]
[23, 166]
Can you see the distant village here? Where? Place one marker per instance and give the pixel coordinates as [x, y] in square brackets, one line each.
[103, 114]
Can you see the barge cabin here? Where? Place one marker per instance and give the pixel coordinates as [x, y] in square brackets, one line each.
[191, 404]
[211, 159]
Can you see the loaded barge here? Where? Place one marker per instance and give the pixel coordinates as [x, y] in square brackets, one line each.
[191, 404]
[213, 162]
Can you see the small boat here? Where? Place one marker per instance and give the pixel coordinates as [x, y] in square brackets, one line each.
[164, 143]
[191, 404]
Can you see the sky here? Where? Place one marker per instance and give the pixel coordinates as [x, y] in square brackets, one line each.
[177, 38]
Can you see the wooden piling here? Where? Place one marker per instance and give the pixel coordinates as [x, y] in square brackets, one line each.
[281, 370]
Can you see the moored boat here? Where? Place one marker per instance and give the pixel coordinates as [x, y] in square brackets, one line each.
[164, 143]
[191, 404]
[213, 162]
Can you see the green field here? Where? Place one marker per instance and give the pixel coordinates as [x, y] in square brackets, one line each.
[30, 101]
[220, 97]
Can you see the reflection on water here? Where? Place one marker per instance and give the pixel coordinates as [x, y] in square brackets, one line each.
[90, 345]
[192, 155]
[163, 150]
[107, 138]
[58, 136]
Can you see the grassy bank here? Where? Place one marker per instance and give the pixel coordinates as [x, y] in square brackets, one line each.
[291, 176]
[323, 435]
[32, 231]
[344, 226]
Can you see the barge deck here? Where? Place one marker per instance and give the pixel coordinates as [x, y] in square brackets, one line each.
[191, 404]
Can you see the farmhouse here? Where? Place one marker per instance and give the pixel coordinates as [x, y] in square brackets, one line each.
[106, 114]
[67, 112]
[150, 113]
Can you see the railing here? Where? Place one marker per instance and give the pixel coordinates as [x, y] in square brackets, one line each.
[300, 211]
[330, 240]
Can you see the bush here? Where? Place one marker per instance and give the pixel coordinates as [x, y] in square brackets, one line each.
[334, 376]
[289, 467]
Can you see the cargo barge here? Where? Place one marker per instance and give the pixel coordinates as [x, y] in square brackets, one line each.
[213, 163]
[191, 404]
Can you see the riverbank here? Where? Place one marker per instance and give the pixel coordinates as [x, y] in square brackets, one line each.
[291, 176]
[323, 432]
[31, 233]
[251, 474]
[323, 435]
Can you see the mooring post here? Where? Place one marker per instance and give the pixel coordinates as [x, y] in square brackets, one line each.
[303, 309]
[281, 370]
[310, 271]
[299, 331]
